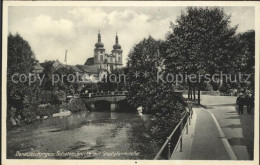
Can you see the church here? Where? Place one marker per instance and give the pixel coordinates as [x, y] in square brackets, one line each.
[104, 61]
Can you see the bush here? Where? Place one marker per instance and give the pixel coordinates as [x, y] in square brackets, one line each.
[225, 88]
[75, 105]
[166, 118]
[29, 113]
[47, 110]
[60, 96]
[52, 97]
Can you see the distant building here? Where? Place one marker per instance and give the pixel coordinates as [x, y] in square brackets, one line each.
[94, 67]
[104, 61]
[38, 68]
[54, 65]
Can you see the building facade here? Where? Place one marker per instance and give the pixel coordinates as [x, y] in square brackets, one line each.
[104, 61]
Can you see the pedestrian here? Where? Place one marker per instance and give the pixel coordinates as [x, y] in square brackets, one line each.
[247, 102]
[240, 103]
[251, 102]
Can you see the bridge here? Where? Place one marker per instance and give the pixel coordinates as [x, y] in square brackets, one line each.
[110, 101]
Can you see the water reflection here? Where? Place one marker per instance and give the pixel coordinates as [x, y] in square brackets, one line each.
[99, 134]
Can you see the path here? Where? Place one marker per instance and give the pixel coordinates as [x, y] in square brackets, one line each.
[206, 143]
[218, 132]
[239, 129]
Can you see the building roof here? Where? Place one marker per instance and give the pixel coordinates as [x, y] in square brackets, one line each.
[56, 65]
[47, 64]
[88, 68]
[90, 61]
[38, 68]
[73, 67]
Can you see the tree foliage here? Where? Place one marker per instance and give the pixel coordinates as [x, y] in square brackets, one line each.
[116, 80]
[144, 58]
[247, 39]
[166, 119]
[203, 42]
[21, 60]
[24, 99]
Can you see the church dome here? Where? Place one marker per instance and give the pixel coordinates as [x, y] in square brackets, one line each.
[99, 44]
[117, 45]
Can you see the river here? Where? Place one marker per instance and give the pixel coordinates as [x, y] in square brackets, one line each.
[85, 135]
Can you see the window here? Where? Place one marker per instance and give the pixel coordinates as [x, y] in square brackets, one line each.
[119, 59]
[101, 57]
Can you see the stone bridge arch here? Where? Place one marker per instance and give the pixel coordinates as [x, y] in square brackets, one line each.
[101, 105]
[116, 99]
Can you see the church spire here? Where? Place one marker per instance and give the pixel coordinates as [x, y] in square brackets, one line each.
[99, 44]
[116, 39]
[117, 45]
[99, 36]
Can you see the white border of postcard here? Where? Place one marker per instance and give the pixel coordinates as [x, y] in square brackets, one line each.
[126, 3]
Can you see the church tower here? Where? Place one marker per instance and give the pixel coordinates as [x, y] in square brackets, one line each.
[99, 53]
[117, 53]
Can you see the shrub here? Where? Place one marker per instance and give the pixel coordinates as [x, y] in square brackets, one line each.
[53, 97]
[47, 110]
[225, 88]
[166, 118]
[29, 113]
[75, 105]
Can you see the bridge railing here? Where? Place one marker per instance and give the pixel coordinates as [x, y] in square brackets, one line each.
[168, 148]
[100, 94]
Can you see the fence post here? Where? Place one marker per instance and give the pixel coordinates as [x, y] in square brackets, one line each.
[191, 113]
[169, 149]
[187, 131]
[181, 126]
[181, 144]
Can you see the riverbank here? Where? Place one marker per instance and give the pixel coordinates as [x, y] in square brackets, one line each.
[44, 111]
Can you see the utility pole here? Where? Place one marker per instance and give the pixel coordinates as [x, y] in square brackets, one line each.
[66, 57]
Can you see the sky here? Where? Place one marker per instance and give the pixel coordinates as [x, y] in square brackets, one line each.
[51, 30]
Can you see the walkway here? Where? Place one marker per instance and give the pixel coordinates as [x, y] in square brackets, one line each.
[218, 132]
[203, 142]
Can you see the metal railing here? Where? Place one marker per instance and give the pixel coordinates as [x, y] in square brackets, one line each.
[102, 94]
[186, 118]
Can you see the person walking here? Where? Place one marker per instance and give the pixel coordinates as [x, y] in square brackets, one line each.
[247, 101]
[251, 102]
[240, 103]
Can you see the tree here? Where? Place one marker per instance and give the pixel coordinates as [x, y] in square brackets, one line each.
[21, 60]
[202, 42]
[58, 82]
[48, 73]
[60, 78]
[67, 79]
[91, 88]
[247, 39]
[145, 58]
[112, 81]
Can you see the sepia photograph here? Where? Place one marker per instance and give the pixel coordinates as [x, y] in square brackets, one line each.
[115, 81]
